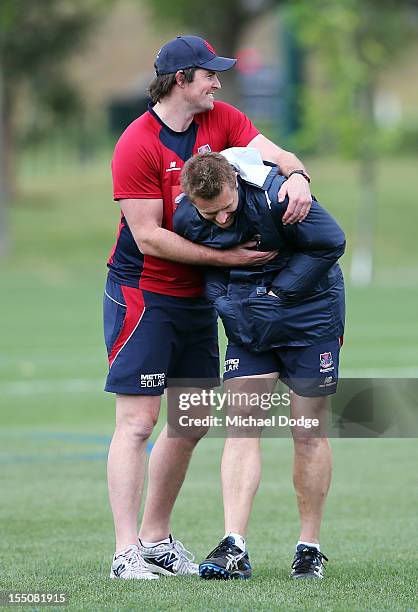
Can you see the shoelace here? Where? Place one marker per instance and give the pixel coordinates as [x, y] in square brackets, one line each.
[135, 560]
[182, 551]
[304, 558]
[228, 548]
[233, 560]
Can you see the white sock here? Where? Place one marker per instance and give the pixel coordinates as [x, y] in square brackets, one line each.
[239, 540]
[152, 544]
[311, 544]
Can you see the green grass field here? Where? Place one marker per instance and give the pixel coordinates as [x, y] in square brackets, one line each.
[57, 532]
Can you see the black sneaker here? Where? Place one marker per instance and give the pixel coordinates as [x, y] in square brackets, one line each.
[308, 563]
[226, 562]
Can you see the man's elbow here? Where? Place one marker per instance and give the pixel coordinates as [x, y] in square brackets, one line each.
[339, 249]
[342, 241]
[146, 244]
[333, 252]
[337, 243]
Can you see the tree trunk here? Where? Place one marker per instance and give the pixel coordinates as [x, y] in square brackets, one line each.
[4, 187]
[362, 260]
[225, 37]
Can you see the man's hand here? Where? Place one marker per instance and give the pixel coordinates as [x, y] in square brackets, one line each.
[296, 188]
[244, 255]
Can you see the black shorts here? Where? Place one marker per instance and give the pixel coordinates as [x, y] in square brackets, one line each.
[310, 371]
[151, 338]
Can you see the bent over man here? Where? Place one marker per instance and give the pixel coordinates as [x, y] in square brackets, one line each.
[283, 319]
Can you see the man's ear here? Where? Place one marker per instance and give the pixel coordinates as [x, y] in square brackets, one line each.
[180, 78]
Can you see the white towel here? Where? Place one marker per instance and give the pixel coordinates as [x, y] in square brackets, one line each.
[248, 164]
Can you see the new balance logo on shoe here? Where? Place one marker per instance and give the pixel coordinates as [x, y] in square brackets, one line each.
[166, 560]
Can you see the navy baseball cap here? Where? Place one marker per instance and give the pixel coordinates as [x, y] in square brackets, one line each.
[190, 52]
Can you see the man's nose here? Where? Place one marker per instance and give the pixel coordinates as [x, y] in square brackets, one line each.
[222, 217]
[216, 82]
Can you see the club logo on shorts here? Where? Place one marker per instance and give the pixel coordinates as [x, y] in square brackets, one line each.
[204, 149]
[148, 381]
[326, 363]
[231, 365]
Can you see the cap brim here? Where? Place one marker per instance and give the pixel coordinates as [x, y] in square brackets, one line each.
[219, 64]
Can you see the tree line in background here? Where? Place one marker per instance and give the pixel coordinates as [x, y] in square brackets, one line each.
[35, 39]
[352, 41]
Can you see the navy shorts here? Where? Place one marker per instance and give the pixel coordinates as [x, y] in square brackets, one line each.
[151, 338]
[310, 371]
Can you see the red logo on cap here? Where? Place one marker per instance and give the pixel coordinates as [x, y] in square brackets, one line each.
[209, 46]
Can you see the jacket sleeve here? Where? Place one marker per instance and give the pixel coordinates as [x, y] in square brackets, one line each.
[318, 242]
[188, 224]
[184, 218]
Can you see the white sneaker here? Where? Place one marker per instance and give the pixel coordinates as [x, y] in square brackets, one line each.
[169, 559]
[129, 565]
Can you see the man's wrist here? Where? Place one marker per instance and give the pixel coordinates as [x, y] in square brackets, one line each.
[302, 173]
[216, 257]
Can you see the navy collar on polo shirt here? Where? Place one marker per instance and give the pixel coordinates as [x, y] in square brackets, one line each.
[181, 143]
[164, 125]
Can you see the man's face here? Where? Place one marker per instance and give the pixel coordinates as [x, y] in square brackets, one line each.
[199, 94]
[219, 210]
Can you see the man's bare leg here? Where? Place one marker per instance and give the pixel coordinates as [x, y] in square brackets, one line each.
[167, 469]
[241, 459]
[136, 416]
[241, 472]
[169, 460]
[312, 466]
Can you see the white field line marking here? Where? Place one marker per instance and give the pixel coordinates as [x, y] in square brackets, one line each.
[399, 372]
[31, 387]
[95, 385]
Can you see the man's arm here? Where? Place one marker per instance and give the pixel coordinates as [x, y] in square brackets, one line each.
[144, 218]
[320, 242]
[296, 187]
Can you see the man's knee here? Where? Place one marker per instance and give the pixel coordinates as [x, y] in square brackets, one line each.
[137, 416]
[308, 444]
[189, 434]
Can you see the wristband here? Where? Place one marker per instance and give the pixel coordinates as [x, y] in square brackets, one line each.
[302, 173]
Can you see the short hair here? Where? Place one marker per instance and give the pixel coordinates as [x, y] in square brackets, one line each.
[205, 175]
[162, 84]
